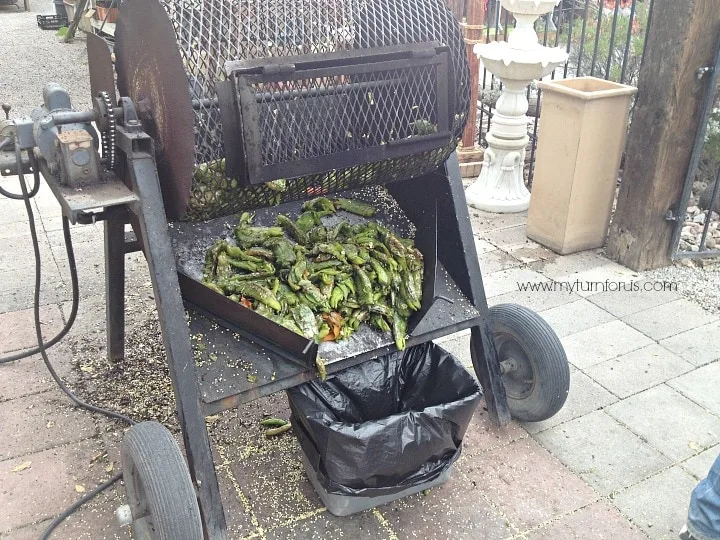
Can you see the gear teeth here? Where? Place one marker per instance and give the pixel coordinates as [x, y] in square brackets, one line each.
[108, 137]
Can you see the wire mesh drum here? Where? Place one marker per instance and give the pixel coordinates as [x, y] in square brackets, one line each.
[301, 134]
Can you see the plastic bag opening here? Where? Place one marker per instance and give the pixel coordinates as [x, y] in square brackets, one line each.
[386, 424]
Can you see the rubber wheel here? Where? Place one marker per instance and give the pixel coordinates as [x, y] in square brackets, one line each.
[158, 486]
[537, 385]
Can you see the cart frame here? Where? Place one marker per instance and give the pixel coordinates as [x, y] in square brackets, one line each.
[456, 251]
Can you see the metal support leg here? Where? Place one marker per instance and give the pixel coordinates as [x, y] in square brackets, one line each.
[482, 345]
[176, 336]
[115, 287]
[457, 253]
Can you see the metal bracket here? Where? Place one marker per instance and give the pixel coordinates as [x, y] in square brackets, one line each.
[702, 71]
[153, 228]
[671, 215]
[9, 166]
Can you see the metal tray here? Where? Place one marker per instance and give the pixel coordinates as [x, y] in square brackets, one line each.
[191, 240]
[239, 364]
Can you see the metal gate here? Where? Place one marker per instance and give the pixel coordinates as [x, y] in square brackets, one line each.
[604, 38]
[695, 217]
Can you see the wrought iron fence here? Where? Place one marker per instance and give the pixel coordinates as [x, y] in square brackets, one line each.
[603, 38]
[697, 215]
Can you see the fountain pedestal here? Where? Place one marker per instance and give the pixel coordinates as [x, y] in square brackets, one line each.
[517, 62]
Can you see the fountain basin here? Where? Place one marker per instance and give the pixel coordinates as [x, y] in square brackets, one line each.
[529, 7]
[520, 64]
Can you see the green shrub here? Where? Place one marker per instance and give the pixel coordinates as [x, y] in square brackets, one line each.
[604, 50]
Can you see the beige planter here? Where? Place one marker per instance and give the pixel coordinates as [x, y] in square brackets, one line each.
[69, 9]
[582, 136]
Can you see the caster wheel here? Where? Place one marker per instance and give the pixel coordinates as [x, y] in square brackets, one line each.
[534, 368]
[160, 493]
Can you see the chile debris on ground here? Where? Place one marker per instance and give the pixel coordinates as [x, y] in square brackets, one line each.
[138, 386]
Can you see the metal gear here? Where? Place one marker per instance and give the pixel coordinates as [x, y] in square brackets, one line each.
[108, 135]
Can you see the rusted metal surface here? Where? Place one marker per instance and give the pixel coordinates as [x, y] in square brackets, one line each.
[473, 33]
[100, 67]
[78, 137]
[75, 201]
[150, 71]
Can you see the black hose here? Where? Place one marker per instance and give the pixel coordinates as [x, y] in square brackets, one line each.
[42, 346]
[36, 186]
[77, 504]
[75, 291]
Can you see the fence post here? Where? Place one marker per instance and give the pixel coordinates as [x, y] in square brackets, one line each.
[470, 154]
[681, 39]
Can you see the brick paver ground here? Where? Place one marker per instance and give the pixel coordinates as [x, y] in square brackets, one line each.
[641, 425]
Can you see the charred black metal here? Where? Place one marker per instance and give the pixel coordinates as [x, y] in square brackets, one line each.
[140, 162]
[275, 99]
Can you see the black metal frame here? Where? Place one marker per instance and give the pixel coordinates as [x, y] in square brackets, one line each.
[240, 115]
[434, 201]
[456, 252]
[153, 229]
[711, 76]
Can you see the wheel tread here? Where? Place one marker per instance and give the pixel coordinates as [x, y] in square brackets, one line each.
[166, 480]
[544, 348]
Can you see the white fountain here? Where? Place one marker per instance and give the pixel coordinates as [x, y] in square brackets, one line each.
[517, 62]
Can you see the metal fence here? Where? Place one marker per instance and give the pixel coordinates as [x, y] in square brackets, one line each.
[603, 38]
[696, 217]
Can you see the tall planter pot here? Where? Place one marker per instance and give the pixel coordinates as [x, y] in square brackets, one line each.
[582, 135]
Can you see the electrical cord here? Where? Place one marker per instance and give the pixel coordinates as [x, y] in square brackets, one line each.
[42, 347]
[73, 280]
[38, 329]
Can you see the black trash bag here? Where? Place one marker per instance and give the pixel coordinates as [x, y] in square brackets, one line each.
[388, 424]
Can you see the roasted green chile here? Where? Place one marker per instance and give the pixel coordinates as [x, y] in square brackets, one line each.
[321, 281]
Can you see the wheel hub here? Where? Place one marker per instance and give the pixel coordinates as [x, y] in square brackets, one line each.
[515, 367]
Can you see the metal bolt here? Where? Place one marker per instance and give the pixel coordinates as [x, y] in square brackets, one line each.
[132, 123]
[6, 108]
[506, 366]
[701, 72]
